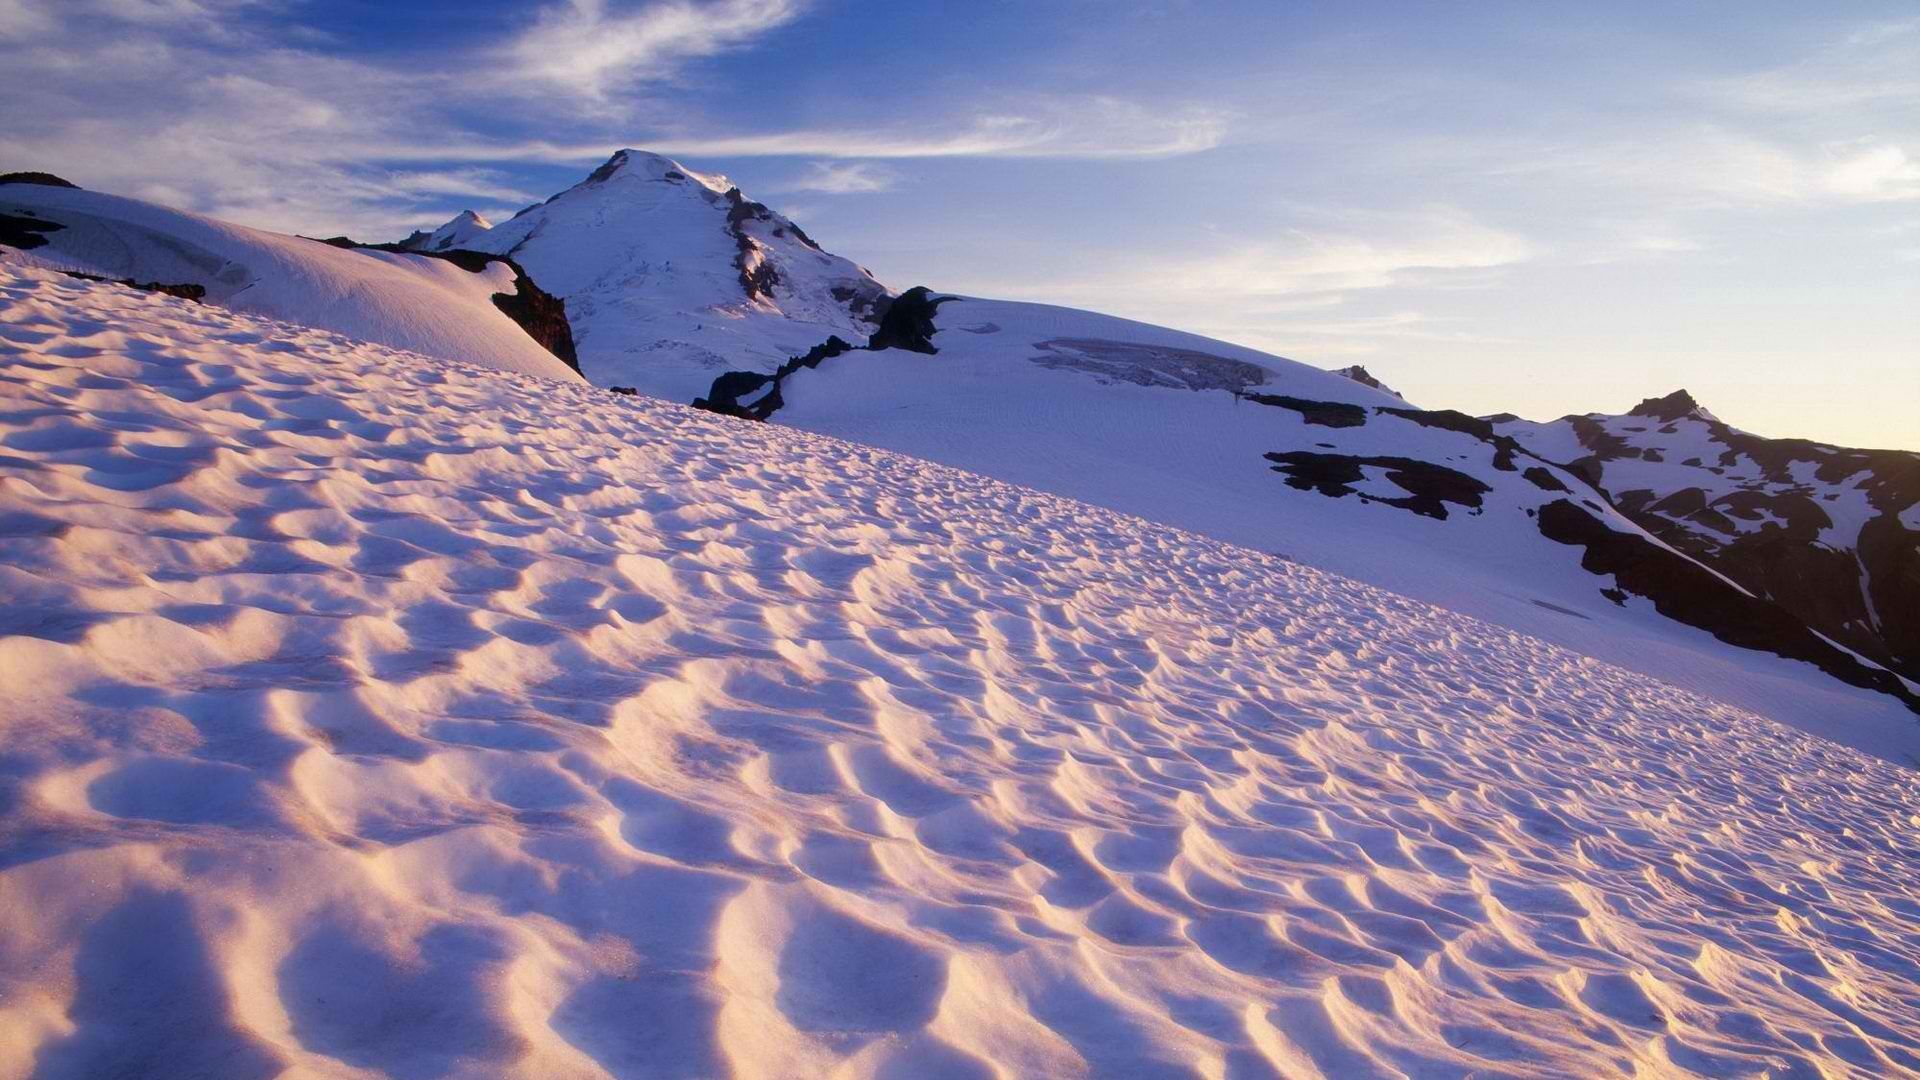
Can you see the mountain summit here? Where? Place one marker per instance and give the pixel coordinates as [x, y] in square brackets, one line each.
[455, 234]
[1675, 406]
[673, 275]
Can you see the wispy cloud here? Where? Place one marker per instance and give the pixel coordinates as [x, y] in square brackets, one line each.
[1102, 128]
[470, 183]
[844, 178]
[227, 108]
[1083, 128]
[583, 48]
[1382, 250]
[1870, 66]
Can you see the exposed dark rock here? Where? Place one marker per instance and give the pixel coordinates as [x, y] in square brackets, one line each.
[1429, 487]
[184, 290]
[1687, 592]
[1334, 414]
[629, 391]
[1505, 448]
[757, 275]
[43, 178]
[541, 314]
[1672, 407]
[908, 322]
[1543, 479]
[1362, 376]
[26, 233]
[1446, 420]
[607, 169]
[864, 304]
[1767, 532]
[727, 391]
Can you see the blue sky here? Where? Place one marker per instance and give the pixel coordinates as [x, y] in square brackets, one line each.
[1530, 206]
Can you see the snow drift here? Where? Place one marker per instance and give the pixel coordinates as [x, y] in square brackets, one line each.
[366, 714]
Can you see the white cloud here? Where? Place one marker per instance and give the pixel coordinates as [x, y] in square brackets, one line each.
[207, 105]
[1874, 65]
[22, 19]
[1082, 128]
[1250, 291]
[472, 183]
[1704, 165]
[844, 178]
[1875, 172]
[582, 48]
[1393, 248]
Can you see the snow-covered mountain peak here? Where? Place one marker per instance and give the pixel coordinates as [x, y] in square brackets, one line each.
[456, 233]
[645, 165]
[672, 275]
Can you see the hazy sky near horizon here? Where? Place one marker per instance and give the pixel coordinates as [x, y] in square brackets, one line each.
[1524, 206]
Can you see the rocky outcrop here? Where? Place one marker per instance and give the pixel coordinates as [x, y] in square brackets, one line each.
[26, 233]
[731, 392]
[907, 324]
[1360, 375]
[1428, 488]
[1827, 533]
[1672, 407]
[757, 275]
[1683, 590]
[44, 179]
[182, 290]
[542, 315]
[1333, 414]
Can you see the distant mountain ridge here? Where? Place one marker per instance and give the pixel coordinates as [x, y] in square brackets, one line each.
[1830, 533]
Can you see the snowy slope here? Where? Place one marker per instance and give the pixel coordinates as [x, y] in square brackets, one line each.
[1832, 534]
[1252, 448]
[366, 715]
[456, 234]
[672, 276]
[431, 306]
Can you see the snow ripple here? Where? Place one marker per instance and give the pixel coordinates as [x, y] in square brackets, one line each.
[367, 715]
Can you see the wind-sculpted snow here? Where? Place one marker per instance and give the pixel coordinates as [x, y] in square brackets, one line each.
[367, 715]
[1271, 454]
